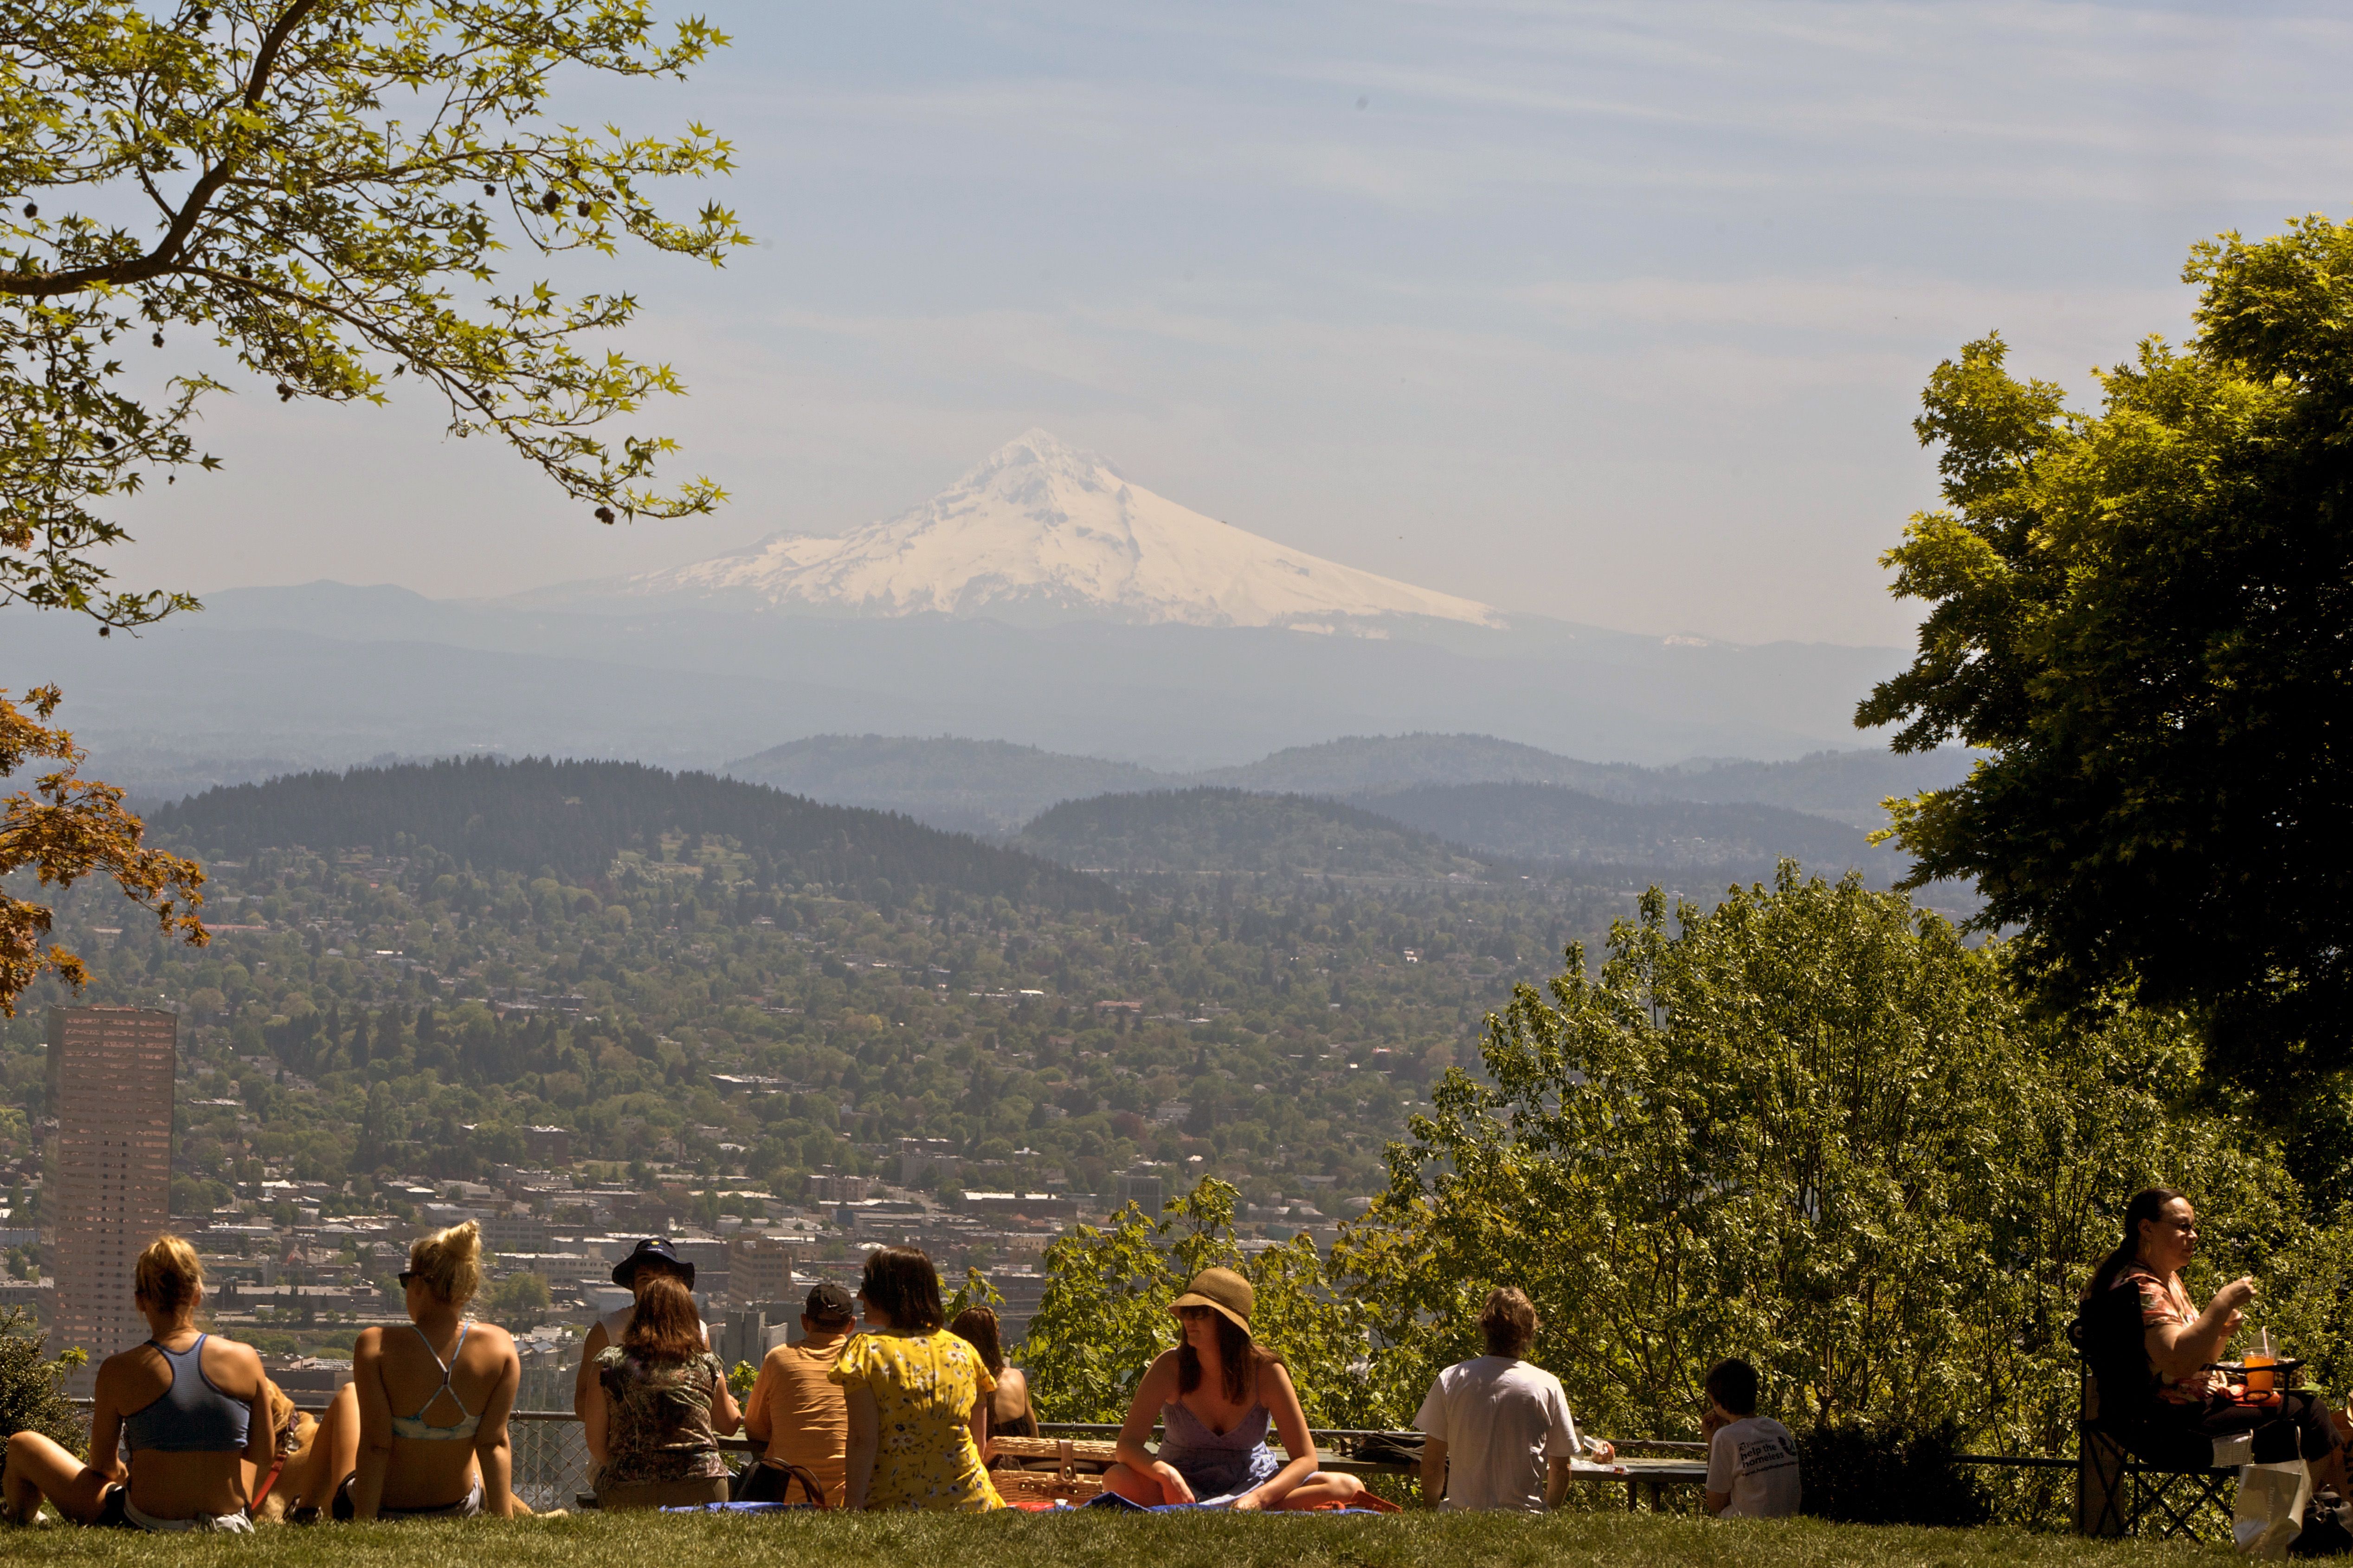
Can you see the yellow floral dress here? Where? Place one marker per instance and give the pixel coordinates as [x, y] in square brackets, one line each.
[924, 1386]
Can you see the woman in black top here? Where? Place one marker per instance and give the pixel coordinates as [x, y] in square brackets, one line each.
[1009, 1415]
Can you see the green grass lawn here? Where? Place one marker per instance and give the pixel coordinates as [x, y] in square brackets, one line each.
[1017, 1540]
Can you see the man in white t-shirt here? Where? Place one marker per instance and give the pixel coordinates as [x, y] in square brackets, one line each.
[1751, 1459]
[1497, 1432]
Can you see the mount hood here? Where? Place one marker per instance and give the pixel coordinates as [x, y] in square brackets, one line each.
[1040, 527]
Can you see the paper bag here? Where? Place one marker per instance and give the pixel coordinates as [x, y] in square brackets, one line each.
[2269, 1514]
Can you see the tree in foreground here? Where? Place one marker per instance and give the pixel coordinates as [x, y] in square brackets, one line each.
[32, 1387]
[1814, 1128]
[318, 191]
[2142, 614]
[1105, 1314]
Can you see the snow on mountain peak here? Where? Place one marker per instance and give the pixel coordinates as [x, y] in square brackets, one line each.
[1040, 526]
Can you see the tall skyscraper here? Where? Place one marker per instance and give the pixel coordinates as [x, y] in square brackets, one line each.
[110, 1071]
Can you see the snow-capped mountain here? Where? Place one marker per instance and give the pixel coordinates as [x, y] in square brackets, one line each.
[1038, 526]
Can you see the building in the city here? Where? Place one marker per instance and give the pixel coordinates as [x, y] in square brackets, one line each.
[506, 1231]
[110, 1081]
[760, 1268]
[1141, 1187]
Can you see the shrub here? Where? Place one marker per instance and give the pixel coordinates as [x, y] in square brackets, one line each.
[1887, 1474]
[32, 1397]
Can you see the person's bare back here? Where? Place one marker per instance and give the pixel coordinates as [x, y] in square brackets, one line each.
[431, 1471]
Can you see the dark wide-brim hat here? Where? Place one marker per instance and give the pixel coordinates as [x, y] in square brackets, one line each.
[652, 1249]
[1222, 1291]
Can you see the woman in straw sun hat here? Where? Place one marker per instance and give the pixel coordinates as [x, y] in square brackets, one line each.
[1214, 1395]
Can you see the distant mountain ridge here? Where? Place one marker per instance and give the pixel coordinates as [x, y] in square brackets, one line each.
[1544, 824]
[537, 816]
[1208, 830]
[1037, 526]
[992, 786]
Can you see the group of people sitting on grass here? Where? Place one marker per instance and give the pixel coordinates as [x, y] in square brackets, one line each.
[903, 1414]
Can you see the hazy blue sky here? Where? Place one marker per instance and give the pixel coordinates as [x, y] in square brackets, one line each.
[1612, 311]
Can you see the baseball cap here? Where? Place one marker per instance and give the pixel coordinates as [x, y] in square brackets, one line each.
[827, 1300]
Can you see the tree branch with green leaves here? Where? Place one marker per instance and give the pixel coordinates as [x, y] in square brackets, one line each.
[325, 190]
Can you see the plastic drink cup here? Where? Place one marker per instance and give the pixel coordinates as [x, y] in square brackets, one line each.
[2259, 1363]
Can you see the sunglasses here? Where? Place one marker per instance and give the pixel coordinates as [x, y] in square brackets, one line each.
[407, 1276]
[1191, 1312]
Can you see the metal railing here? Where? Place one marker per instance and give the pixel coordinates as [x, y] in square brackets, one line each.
[551, 1458]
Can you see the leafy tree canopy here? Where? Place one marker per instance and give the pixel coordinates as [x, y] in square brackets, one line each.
[519, 1302]
[321, 188]
[1104, 1315]
[2140, 614]
[1814, 1129]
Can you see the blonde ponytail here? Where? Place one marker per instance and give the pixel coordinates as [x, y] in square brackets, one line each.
[449, 1262]
[168, 1276]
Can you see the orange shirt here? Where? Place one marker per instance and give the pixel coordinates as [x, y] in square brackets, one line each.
[808, 1413]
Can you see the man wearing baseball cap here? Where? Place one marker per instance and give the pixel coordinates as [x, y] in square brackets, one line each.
[647, 1261]
[797, 1410]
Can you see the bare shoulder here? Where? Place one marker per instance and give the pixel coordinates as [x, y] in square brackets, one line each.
[489, 1341]
[238, 1362]
[1161, 1373]
[1274, 1378]
[596, 1341]
[126, 1371]
[367, 1345]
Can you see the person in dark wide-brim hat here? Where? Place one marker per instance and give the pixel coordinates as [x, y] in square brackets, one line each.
[652, 1258]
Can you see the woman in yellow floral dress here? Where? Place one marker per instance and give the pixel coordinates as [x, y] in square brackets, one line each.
[918, 1396]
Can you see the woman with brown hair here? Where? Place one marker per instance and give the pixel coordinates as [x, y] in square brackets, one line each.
[434, 1401]
[1214, 1396]
[2148, 1347]
[1009, 1415]
[659, 1407]
[926, 1386]
[192, 1409]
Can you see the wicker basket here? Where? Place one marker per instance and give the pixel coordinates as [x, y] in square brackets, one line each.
[1065, 1482]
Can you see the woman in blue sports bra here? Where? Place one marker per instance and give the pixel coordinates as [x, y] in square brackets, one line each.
[191, 1407]
[434, 1397]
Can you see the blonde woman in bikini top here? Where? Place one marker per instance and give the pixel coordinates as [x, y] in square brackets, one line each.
[434, 1396]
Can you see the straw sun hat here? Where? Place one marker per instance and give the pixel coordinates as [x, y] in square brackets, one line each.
[1223, 1291]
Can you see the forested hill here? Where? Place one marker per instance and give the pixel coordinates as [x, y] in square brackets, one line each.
[571, 818]
[1230, 830]
[1543, 823]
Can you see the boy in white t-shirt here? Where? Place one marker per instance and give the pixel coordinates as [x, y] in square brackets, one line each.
[1497, 1433]
[1751, 1459]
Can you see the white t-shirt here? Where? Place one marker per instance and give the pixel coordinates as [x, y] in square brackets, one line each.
[1501, 1419]
[1755, 1460]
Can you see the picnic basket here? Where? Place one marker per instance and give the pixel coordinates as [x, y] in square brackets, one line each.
[1065, 1483]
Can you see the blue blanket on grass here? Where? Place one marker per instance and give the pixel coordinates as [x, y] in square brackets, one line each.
[1111, 1500]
